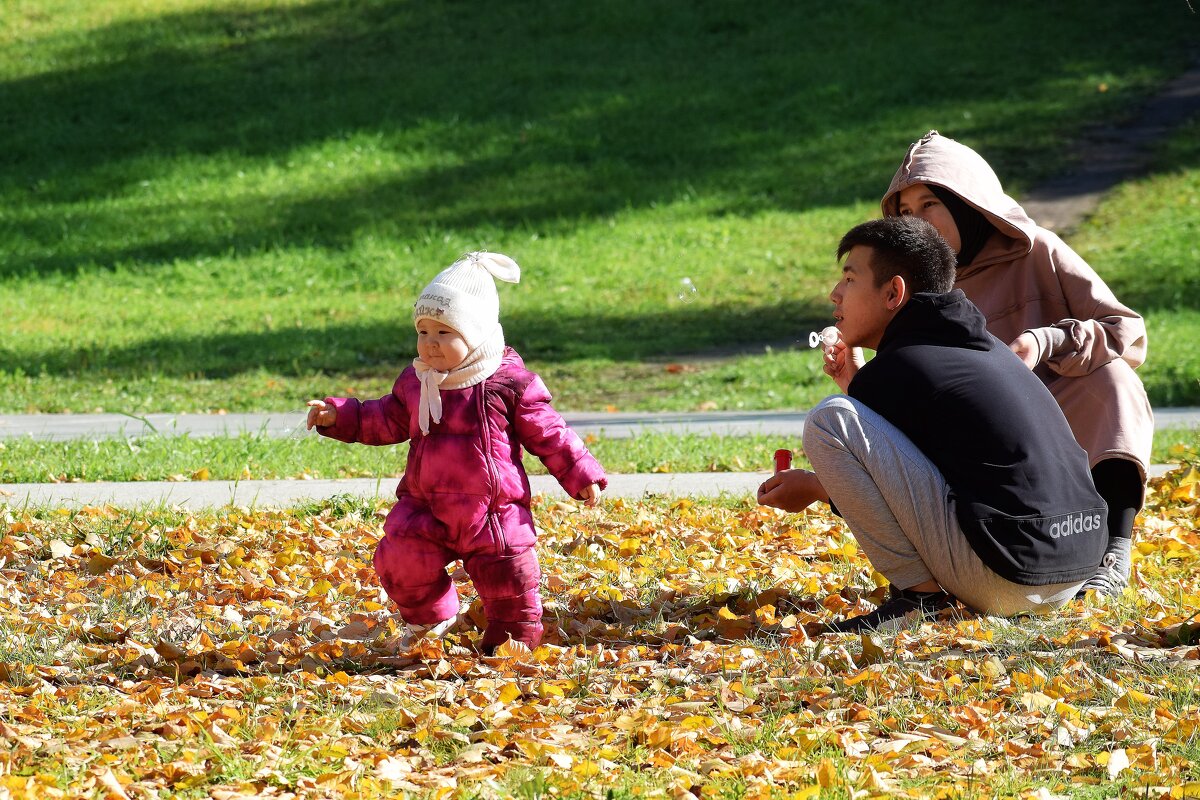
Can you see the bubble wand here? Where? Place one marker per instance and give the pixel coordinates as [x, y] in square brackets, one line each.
[826, 338]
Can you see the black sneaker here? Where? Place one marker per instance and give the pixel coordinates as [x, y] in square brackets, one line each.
[900, 602]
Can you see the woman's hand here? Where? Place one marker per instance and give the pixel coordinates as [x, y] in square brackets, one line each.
[842, 363]
[1026, 347]
[320, 413]
[792, 490]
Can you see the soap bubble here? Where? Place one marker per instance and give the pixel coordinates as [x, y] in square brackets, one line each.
[300, 431]
[826, 338]
[686, 291]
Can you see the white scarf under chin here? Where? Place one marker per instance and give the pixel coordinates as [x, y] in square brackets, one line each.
[477, 367]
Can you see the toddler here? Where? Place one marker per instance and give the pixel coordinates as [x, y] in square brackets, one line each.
[466, 406]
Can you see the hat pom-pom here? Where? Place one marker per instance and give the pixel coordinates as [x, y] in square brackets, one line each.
[498, 265]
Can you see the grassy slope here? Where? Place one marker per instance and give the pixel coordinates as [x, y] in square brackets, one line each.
[1148, 235]
[232, 205]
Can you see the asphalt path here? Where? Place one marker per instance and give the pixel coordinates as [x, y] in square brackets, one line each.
[285, 493]
[616, 425]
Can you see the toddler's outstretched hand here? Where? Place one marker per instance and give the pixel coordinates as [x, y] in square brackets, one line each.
[590, 494]
[320, 413]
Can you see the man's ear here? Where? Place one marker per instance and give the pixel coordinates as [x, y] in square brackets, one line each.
[897, 293]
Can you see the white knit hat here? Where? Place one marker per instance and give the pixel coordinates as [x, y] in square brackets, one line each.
[463, 295]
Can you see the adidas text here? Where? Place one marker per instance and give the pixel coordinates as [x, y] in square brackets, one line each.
[1075, 523]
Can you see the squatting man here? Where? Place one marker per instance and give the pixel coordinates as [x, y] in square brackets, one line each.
[949, 460]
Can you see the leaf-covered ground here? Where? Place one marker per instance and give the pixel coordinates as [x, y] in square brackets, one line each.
[248, 654]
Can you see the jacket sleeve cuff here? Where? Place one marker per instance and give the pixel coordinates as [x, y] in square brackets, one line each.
[1049, 341]
[584, 473]
[345, 428]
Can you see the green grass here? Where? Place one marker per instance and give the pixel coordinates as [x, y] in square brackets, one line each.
[1148, 235]
[250, 457]
[210, 205]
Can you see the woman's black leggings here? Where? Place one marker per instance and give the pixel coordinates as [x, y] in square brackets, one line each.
[1119, 482]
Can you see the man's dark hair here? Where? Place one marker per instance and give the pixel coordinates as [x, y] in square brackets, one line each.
[904, 246]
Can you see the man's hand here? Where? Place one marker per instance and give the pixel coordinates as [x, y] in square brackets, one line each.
[842, 363]
[590, 494]
[320, 413]
[1026, 346]
[792, 490]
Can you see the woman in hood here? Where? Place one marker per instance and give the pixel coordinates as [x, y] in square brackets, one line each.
[1054, 311]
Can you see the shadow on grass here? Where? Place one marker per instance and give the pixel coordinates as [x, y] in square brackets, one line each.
[337, 348]
[516, 114]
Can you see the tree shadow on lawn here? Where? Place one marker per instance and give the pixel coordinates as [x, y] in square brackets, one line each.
[378, 348]
[509, 114]
[334, 349]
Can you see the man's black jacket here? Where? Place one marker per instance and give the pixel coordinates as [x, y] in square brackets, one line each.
[1020, 483]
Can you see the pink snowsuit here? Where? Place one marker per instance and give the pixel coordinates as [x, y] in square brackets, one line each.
[465, 495]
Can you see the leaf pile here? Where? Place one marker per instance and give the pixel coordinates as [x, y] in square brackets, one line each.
[250, 654]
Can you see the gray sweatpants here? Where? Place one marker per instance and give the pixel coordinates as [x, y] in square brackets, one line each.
[898, 507]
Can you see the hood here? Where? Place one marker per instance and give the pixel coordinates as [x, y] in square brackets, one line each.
[948, 319]
[941, 161]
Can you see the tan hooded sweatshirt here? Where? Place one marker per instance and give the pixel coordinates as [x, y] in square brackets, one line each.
[1027, 279]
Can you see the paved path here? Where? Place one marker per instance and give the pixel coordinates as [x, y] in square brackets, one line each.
[282, 494]
[202, 494]
[617, 425]
[1111, 154]
[276, 494]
